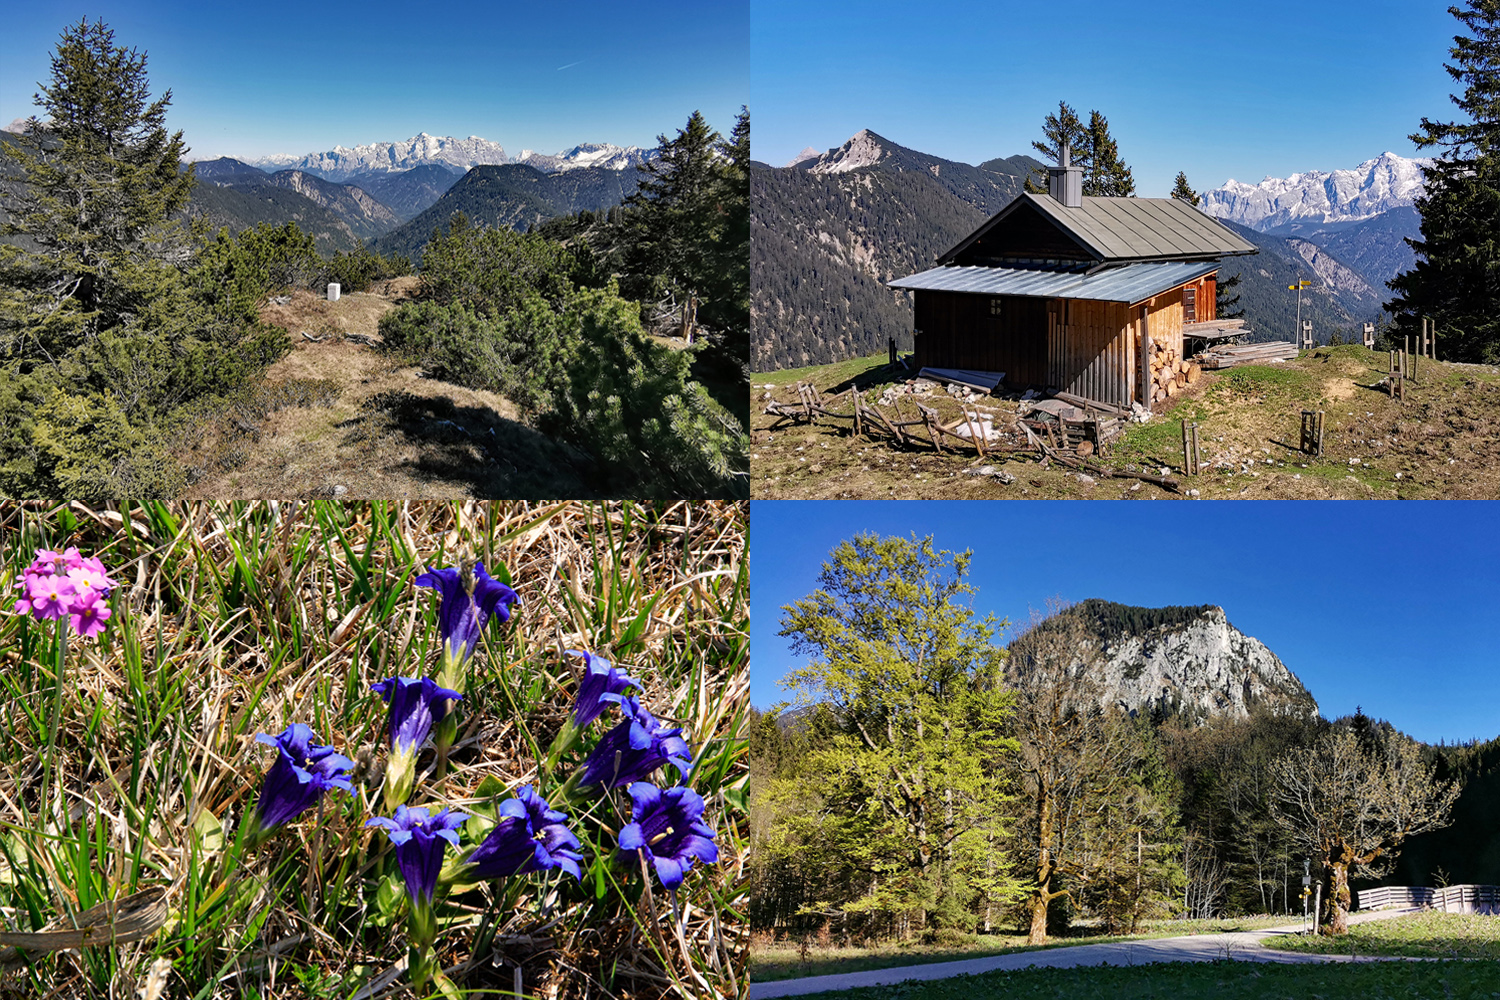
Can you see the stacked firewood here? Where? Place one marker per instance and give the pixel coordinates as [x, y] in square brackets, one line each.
[1170, 374]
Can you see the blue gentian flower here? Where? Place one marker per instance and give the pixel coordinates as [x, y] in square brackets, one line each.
[602, 684]
[417, 703]
[641, 744]
[530, 837]
[461, 616]
[669, 825]
[420, 840]
[303, 771]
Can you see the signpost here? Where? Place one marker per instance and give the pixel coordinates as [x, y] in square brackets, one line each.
[1306, 891]
[1301, 284]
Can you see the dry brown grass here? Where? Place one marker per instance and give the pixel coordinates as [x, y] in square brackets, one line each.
[237, 619]
[1443, 442]
[387, 432]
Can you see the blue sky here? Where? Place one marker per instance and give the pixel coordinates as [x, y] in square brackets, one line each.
[1387, 606]
[250, 79]
[1216, 90]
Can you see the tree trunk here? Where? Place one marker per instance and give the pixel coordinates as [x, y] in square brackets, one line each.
[1039, 900]
[1337, 900]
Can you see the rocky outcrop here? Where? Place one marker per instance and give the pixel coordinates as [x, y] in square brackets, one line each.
[1188, 660]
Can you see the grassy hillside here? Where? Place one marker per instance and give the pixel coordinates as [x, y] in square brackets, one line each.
[1443, 442]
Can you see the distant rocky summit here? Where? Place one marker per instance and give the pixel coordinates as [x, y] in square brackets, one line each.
[1374, 186]
[1173, 660]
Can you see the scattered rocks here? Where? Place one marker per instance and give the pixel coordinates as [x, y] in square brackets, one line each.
[992, 472]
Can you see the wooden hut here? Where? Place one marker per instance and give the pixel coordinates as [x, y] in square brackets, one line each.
[1084, 295]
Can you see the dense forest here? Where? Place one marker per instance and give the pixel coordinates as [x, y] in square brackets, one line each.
[825, 243]
[941, 785]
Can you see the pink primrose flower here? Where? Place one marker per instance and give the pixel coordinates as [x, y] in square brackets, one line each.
[51, 596]
[88, 614]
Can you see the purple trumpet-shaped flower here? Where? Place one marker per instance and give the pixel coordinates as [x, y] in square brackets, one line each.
[668, 824]
[420, 840]
[462, 616]
[303, 771]
[530, 837]
[602, 684]
[641, 744]
[417, 704]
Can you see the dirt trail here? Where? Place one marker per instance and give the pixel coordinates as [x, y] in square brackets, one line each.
[342, 415]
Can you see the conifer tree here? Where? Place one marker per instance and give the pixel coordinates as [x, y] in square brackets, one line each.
[1106, 176]
[1091, 147]
[1183, 191]
[1453, 280]
[1063, 127]
[102, 180]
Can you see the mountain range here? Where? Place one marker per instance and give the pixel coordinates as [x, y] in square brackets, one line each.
[1316, 198]
[829, 228]
[341, 164]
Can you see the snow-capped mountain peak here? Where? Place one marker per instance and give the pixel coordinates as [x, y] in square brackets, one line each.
[1378, 185]
[341, 163]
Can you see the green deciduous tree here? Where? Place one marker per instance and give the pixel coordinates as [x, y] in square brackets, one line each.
[1456, 279]
[913, 679]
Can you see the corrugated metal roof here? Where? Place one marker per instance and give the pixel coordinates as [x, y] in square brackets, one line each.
[1128, 228]
[1130, 283]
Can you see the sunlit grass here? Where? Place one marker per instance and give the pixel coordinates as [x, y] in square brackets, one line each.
[237, 619]
[1421, 935]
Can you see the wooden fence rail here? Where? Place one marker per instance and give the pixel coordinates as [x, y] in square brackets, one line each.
[1450, 899]
[1066, 442]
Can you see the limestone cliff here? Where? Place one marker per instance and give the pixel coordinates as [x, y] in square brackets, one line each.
[1190, 660]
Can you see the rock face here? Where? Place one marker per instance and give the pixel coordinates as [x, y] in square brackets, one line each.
[1193, 661]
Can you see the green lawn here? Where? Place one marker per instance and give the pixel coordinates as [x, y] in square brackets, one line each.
[1424, 935]
[1219, 980]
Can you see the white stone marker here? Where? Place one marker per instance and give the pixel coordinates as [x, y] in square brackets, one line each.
[333, 291]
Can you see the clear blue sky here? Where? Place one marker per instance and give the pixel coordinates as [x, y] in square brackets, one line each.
[251, 79]
[1384, 605]
[1217, 90]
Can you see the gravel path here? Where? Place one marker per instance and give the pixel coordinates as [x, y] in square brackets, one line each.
[1239, 945]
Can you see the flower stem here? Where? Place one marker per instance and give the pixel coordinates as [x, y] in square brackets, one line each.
[59, 655]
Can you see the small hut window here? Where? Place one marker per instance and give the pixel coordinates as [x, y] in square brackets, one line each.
[1190, 304]
[995, 307]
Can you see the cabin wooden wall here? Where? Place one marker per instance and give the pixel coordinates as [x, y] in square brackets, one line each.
[1091, 349]
[1082, 346]
[959, 330]
[1204, 291]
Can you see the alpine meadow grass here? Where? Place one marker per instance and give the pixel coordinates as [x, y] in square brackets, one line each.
[188, 783]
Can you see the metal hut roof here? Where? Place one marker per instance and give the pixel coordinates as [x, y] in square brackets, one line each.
[1125, 229]
[1129, 283]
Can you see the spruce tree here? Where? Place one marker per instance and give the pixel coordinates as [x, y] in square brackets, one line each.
[1106, 176]
[1063, 127]
[1183, 191]
[1090, 147]
[102, 179]
[1454, 281]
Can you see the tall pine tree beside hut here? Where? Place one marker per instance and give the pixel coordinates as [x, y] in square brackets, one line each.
[1456, 280]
